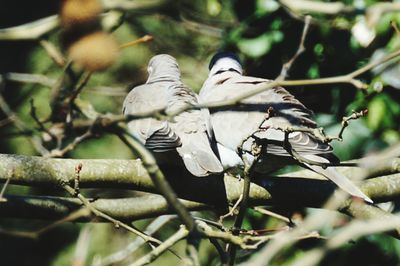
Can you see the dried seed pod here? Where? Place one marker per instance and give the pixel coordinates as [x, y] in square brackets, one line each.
[95, 51]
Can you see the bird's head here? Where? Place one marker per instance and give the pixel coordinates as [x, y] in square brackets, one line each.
[225, 61]
[163, 66]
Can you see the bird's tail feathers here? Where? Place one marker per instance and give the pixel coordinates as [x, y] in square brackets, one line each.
[341, 181]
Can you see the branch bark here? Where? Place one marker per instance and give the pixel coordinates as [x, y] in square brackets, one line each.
[305, 188]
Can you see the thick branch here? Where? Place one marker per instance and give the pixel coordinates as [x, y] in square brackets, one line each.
[306, 191]
[124, 209]
[130, 174]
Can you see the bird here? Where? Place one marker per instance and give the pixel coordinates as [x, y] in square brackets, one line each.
[261, 118]
[186, 134]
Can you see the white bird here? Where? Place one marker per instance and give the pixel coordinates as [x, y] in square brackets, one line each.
[186, 134]
[262, 117]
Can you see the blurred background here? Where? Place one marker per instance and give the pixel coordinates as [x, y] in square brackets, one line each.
[265, 34]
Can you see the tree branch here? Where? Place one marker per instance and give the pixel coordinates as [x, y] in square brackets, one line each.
[304, 187]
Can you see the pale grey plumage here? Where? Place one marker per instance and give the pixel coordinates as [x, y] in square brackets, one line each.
[186, 133]
[235, 124]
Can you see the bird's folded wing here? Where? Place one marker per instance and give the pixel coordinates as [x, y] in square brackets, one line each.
[191, 127]
[155, 134]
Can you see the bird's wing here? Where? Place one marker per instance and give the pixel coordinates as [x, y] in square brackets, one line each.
[191, 127]
[233, 124]
[154, 134]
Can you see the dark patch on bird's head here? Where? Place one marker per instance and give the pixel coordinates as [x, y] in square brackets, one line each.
[221, 55]
[225, 62]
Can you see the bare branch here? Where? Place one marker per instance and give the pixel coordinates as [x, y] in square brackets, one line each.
[155, 253]
[30, 31]
[121, 255]
[3, 190]
[20, 125]
[395, 27]
[317, 7]
[286, 67]
[158, 178]
[101, 214]
[30, 78]
[145, 38]
[273, 214]
[352, 231]
[345, 121]
[53, 52]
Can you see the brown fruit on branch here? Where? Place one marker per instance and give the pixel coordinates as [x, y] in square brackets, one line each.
[76, 12]
[94, 52]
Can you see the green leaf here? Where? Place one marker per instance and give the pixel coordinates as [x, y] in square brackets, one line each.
[214, 7]
[266, 6]
[376, 113]
[313, 71]
[260, 45]
[255, 47]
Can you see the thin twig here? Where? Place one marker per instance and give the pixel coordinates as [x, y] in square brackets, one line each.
[80, 87]
[82, 247]
[53, 52]
[157, 177]
[3, 190]
[30, 78]
[345, 121]
[121, 255]
[6, 121]
[232, 210]
[222, 254]
[247, 176]
[395, 27]
[73, 216]
[272, 214]
[218, 224]
[286, 67]
[145, 38]
[71, 146]
[30, 31]
[353, 230]
[40, 123]
[20, 125]
[117, 223]
[155, 253]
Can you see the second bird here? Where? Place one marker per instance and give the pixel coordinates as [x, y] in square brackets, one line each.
[261, 118]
